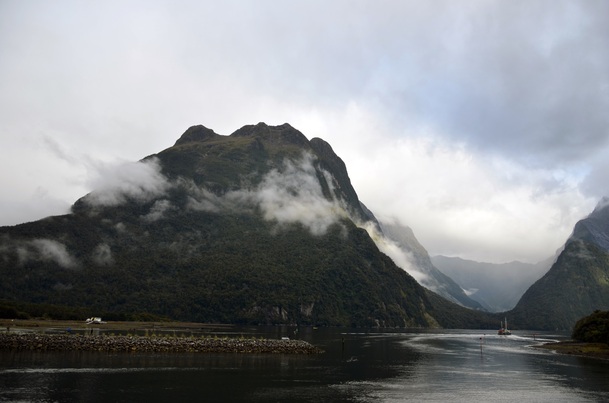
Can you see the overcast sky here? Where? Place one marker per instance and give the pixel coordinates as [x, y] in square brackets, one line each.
[482, 125]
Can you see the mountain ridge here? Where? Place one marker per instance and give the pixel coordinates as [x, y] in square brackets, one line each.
[255, 227]
[577, 284]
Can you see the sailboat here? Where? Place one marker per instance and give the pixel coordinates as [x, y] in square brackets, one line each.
[504, 331]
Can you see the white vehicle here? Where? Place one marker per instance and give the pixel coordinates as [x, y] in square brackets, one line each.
[94, 320]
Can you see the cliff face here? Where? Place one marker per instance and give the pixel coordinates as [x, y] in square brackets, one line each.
[594, 228]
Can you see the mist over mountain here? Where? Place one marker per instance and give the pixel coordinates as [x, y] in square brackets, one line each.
[262, 226]
[497, 287]
[427, 274]
[577, 284]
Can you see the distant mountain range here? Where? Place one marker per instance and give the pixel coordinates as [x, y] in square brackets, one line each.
[550, 295]
[262, 226]
[497, 287]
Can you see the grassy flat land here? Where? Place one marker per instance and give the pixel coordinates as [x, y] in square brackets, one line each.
[595, 350]
[32, 324]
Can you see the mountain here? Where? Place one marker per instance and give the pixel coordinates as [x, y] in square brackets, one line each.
[594, 229]
[497, 287]
[262, 226]
[430, 277]
[577, 284]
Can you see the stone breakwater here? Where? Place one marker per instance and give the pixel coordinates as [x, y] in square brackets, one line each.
[71, 342]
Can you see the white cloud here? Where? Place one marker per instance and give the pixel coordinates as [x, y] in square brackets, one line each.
[286, 195]
[294, 195]
[47, 250]
[158, 210]
[400, 257]
[102, 255]
[114, 184]
[463, 203]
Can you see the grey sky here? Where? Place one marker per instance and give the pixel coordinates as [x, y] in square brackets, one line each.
[483, 125]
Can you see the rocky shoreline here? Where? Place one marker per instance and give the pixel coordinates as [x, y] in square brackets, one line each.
[132, 344]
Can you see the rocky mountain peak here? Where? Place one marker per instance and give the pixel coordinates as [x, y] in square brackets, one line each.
[602, 205]
[283, 133]
[595, 227]
[195, 134]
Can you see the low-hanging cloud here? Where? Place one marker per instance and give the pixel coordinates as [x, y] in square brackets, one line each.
[400, 257]
[201, 199]
[295, 196]
[115, 184]
[102, 255]
[158, 210]
[287, 195]
[43, 249]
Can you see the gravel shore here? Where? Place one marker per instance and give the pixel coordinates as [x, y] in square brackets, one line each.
[105, 343]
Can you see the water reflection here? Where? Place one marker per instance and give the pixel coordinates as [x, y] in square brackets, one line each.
[464, 366]
[357, 366]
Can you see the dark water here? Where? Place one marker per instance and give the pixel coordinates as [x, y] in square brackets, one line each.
[358, 366]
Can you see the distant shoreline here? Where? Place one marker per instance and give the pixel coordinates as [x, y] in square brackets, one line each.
[593, 350]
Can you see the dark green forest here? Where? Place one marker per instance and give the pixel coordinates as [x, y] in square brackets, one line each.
[593, 328]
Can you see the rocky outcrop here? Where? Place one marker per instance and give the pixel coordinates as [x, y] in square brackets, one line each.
[196, 133]
[595, 227]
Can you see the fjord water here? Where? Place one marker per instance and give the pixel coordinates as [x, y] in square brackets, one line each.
[358, 366]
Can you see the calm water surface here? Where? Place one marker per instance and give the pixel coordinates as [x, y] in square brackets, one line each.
[358, 366]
